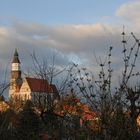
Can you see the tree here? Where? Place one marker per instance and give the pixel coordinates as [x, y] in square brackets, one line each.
[113, 103]
[28, 125]
[7, 124]
[3, 83]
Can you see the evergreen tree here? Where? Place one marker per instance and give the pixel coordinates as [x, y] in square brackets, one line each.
[7, 131]
[28, 124]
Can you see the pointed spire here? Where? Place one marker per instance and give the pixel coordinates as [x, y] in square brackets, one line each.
[16, 53]
[15, 58]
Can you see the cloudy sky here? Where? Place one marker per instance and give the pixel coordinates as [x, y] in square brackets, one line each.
[73, 30]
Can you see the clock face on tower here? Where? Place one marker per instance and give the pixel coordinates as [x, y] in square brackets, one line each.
[15, 66]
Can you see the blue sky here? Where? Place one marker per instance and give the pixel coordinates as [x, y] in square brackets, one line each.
[58, 12]
[72, 29]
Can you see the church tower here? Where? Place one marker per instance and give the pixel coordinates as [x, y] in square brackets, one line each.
[16, 79]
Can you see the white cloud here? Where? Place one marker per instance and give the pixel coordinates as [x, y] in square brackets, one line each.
[130, 12]
[78, 41]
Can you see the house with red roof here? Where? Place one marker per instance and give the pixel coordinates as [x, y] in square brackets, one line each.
[73, 108]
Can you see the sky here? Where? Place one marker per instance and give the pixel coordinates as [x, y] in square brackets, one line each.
[73, 30]
[58, 12]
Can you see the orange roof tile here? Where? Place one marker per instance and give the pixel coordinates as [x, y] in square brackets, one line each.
[89, 116]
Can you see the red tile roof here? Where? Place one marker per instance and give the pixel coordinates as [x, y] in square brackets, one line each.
[89, 116]
[40, 85]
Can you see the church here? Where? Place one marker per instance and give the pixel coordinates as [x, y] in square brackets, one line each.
[29, 88]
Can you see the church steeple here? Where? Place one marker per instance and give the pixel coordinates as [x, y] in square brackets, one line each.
[16, 62]
[15, 58]
[16, 79]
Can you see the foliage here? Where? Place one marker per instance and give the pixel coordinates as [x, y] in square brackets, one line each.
[28, 125]
[112, 104]
[7, 122]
